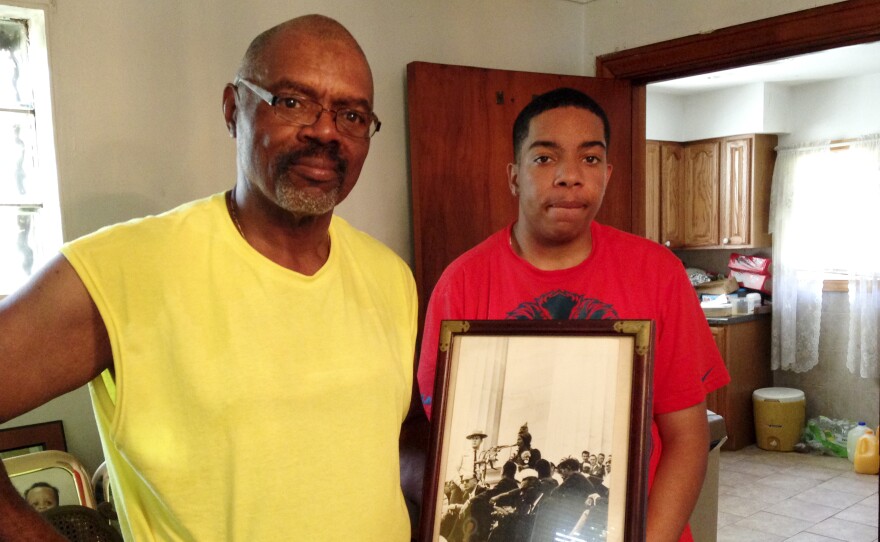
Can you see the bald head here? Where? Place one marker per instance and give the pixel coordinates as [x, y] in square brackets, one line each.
[315, 27]
[303, 166]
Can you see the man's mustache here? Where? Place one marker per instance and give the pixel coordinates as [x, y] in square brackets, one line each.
[313, 149]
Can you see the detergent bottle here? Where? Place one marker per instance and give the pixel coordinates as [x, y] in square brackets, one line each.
[867, 458]
[852, 439]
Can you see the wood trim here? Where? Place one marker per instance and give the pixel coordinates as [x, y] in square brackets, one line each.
[835, 286]
[637, 171]
[835, 25]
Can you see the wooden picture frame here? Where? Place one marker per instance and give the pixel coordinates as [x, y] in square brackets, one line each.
[508, 390]
[27, 439]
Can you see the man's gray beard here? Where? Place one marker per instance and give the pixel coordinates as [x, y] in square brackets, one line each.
[299, 203]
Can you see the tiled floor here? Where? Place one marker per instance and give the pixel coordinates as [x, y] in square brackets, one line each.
[791, 497]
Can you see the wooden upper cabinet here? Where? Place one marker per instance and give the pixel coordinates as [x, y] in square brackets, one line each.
[701, 194]
[736, 200]
[664, 192]
[746, 173]
[712, 193]
[671, 190]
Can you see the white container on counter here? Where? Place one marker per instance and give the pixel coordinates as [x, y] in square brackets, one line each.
[753, 300]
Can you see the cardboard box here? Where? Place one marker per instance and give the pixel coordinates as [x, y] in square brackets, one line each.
[722, 286]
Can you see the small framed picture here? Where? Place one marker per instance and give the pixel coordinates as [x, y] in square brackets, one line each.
[540, 431]
[50, 478]
[27, 439]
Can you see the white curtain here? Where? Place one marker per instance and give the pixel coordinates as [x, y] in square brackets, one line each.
[825, 219]
[863, 346]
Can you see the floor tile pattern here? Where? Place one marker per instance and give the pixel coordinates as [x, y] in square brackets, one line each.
[790, 497]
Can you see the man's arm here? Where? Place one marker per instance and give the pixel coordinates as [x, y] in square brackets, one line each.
[52, 341]
[680, 472]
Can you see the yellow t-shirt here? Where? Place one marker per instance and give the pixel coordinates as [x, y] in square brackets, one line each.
[250, 402]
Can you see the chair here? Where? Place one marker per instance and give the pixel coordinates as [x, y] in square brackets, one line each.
[101, 484]
[104, 494]
[81, 524]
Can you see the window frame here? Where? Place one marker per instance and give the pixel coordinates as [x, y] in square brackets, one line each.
[50, 235]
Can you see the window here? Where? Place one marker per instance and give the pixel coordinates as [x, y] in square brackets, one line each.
[30, 218]
[825, 223]
[831, 206]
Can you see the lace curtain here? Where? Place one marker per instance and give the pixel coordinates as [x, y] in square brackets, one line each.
[825, 218]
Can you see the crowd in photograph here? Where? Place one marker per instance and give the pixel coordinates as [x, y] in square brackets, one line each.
[535, 500]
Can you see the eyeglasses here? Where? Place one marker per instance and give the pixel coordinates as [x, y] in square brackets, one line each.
[303, 111]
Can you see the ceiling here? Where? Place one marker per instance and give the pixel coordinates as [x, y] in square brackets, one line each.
[824, 65]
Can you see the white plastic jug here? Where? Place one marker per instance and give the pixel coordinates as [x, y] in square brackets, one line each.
[867, 460]
[852, 439]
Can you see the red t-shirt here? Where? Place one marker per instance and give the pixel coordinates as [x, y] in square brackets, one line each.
[625, 276]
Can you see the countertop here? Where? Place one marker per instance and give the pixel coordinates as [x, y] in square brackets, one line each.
[737, 319]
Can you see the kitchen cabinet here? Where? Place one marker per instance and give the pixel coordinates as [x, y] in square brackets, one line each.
[701, 189]
[744, 344]
[713, 193]
[665, 185]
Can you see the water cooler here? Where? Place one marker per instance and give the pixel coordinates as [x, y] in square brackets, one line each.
[779, 418]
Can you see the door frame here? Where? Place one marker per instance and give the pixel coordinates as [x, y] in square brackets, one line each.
[836, 25]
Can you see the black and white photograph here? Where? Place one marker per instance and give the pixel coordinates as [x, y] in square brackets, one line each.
[532, 415]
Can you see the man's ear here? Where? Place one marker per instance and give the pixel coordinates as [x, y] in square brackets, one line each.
[230, 107]
[512, 178]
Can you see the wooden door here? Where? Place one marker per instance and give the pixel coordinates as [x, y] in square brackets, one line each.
[701, 194]
[736, 191]
[460, 125]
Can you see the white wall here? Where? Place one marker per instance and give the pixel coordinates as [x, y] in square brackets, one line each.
[835, 109]
[838, 109]
[137, 89]
[717, 113]
[663, 116]
[777, 108]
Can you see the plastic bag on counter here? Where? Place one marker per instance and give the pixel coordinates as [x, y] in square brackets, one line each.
[827, 436]
[697, 276]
